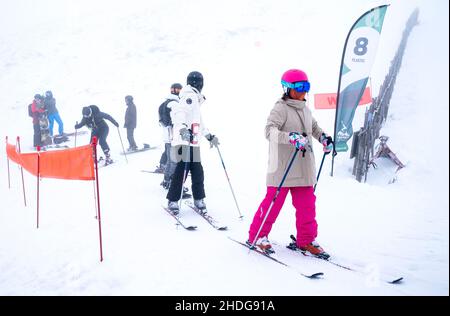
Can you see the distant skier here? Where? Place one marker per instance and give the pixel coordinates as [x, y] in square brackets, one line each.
[95, 121]
[166, 165]
[52, 113]
[188, 126]
[36, 110]
[167, 127]
[130, 122]
[288, 123]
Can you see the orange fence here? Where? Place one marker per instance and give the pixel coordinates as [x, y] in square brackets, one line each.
[70, 164]
[77, 163]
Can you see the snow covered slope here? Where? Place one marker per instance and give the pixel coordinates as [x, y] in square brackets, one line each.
[90, 52]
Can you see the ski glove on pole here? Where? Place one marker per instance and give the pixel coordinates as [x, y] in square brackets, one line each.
[213, 140]
[297, 140]
[327, 142]
[186, 134]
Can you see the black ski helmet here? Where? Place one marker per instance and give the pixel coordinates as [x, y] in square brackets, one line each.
[49, 94]
[38, 96]
[195, 79]
[87, 111]
[175, 88]
[129, 99]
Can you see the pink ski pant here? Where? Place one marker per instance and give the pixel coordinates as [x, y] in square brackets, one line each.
[304, 201]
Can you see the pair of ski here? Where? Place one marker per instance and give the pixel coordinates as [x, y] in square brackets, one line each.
[316, 275]
[144, 148]
[208, 218]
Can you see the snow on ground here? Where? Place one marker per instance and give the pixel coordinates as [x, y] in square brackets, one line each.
[98, 53]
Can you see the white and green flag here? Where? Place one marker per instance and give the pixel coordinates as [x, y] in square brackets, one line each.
[357, 60]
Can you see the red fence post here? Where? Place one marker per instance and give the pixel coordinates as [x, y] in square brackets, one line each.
[94, 150]
[37, 190]
[7, 162]
[21, 171]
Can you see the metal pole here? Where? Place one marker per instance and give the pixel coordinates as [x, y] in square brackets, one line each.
[321, 164]
[275, 197]
[122, 145]
[7, 162]
[186, 169]
[76, 131]
[320, 169]
[37, 190]
[21, 171]
[228, 178]
[94, 149]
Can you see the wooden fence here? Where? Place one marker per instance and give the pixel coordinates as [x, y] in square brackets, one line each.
[364, 140]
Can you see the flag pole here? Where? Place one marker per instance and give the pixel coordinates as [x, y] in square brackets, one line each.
[339, 83]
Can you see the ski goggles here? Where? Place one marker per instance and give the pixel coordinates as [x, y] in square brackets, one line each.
[301, 86]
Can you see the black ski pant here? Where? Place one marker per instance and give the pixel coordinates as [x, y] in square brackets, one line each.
[130, 137]
[37, 135]
[164, 157]
[188, 158]
[101, 134]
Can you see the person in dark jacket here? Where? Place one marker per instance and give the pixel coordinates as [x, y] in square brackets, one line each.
[37, 109]
[94, 119]
[52, 113]
[130, 121]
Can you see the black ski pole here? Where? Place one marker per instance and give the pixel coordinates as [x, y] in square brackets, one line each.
[320, 169]
[275, 197]
[186, 169]
[321, 164]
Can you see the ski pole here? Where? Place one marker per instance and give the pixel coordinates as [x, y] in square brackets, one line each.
[275, 197]
[228, 178]
[186, 170]
[118, 130]
[76, 131]
[320, 169]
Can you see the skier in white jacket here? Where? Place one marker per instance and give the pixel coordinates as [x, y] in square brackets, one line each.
[188, 127]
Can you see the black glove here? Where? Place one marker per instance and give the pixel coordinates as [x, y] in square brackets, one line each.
[186, 134]
[213, 140]
[116, 124]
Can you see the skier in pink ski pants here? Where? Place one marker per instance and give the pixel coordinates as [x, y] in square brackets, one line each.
[291, 127]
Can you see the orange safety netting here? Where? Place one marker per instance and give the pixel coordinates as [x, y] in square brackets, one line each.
[70, 164]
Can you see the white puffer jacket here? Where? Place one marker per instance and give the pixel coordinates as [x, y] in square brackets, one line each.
[168, 130]
[186, 114]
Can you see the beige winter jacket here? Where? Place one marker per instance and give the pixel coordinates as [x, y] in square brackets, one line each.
[291, 116]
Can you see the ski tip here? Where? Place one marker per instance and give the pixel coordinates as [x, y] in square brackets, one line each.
[396, 281]
[317, 275]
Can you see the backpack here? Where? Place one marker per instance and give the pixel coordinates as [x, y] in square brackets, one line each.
[164, 113]
[30, 111]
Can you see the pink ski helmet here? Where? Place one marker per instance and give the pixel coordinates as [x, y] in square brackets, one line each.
[295, 79]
